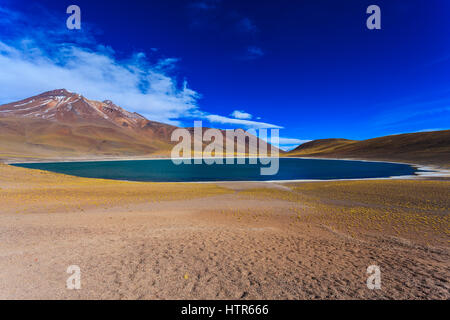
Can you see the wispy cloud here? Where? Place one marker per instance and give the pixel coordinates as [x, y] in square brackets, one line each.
[164, 64]
[210, 14]
[442, 59]
[288, 144]
[431, 130]
[292, 141]
[240, 114]
[253, 52]
[414, 112]
[8, 16]
[246, 25]
[240, 122]
[205, 4]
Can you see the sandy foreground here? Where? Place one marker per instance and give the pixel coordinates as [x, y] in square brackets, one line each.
[222, 241]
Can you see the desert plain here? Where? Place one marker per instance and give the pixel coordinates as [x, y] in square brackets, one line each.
[303, 240]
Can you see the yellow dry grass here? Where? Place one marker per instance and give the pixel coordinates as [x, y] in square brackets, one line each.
[33, 191]
[408, 209]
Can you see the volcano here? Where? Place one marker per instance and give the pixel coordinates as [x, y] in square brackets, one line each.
[59, 124]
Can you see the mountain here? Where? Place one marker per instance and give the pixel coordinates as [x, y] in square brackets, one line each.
[61, 124]
[420, 147]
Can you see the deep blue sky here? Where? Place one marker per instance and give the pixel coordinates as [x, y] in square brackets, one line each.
[311, 67]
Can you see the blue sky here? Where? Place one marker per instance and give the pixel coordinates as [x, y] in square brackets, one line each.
[310, 68]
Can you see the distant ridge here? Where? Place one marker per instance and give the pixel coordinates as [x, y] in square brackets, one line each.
[322, 145]
[420, 147]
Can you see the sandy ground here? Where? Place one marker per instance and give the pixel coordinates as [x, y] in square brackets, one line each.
[221, 241]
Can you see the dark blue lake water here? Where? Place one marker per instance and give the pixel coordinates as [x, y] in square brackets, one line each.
[166, 171]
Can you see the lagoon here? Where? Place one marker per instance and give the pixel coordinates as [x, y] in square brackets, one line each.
[164, 170]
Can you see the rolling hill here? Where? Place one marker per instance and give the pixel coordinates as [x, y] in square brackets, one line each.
[420, 147]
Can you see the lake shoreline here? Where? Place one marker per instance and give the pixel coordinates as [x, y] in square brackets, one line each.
[427, 171]
[19, 160]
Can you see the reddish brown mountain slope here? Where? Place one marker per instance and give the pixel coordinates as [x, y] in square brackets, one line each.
[420, 147]
[61, 124]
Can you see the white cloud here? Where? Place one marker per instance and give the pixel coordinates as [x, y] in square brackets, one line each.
[39, 58]
[167, 64]
[246, 123]
[135, 84]
[431, 130]
[291, 141]
[240, 114]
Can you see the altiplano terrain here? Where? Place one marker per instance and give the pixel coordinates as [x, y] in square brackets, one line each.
[237, 240]
[221, 241]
